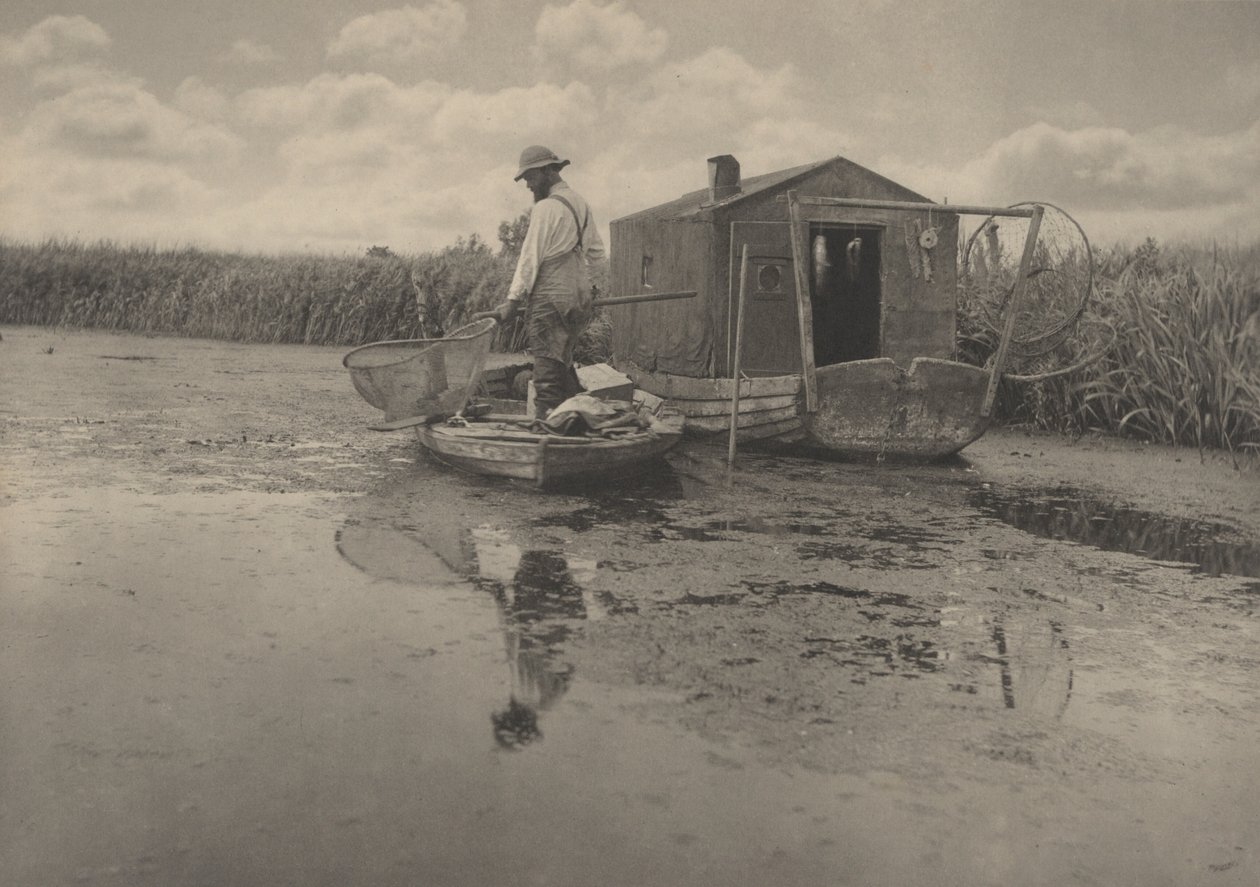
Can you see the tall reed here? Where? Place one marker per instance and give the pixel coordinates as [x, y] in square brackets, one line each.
[1170, 346]
[318, 300]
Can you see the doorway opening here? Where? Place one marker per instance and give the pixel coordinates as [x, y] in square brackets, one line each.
[845, 291]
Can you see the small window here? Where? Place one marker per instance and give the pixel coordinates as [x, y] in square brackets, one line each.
[646, 272]
[769, 279]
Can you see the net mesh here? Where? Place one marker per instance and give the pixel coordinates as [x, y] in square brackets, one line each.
[419, 377]
[1060, 278]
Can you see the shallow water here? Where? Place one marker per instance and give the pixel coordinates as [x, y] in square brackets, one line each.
[799, 672]
[1079, 516]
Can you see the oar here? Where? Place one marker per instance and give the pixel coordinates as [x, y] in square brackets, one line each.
[399, 424]
[470, 412]
[413, 421]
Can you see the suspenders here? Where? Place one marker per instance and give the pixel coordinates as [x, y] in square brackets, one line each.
[580, 226]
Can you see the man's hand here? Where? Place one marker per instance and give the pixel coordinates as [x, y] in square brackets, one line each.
[503, 314]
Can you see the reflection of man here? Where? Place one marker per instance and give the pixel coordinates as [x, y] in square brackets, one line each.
[537, 606]
[552, 276]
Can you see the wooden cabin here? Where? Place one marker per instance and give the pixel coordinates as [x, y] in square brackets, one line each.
[882, 281]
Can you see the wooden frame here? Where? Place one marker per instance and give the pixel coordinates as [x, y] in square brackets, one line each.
[804, 299]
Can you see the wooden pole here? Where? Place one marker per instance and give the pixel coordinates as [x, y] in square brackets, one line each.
[1018, 212]
[739, 347]
[1012, 309]
[642, 297]
[804, 305]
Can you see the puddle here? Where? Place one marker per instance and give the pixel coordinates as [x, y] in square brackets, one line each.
[1077, 516]
[540, 595]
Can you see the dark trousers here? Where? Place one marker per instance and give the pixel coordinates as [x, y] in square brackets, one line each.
[555, 381]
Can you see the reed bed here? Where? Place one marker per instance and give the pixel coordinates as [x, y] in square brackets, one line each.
[317, 300]
[1167, 351]
[313, 300]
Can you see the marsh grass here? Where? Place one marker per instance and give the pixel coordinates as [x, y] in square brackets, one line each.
[314, 300]
[1171, 344]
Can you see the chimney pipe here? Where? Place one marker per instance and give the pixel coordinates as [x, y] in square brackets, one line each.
[723, 177]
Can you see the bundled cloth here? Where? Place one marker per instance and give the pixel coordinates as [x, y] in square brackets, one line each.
[584, 414]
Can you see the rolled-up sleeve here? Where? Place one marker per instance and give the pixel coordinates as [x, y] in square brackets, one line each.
[542, 222]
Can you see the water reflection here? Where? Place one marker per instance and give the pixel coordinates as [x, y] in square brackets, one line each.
[1004, 658]
[1019, 661]
[539, 602]
[1078, 516]
[540, 596]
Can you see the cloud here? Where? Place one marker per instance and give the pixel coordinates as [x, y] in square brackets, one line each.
[1110, 168]
[405, 35]
[594, 37]
[1101, 168]
[75, 75]
[124, 121]
[1069, 114]
[56, 38]
[53, 194]
[197, 98]
[342, 102]
[1166, 182]
[248, 52]
[1242, 83]
[716, 103]
[559, 113]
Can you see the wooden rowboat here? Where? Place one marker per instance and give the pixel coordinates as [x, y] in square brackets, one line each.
[504, 446]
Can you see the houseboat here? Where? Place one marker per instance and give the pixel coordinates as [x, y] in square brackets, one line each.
[824, 311]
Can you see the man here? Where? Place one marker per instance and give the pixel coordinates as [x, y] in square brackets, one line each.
[552, 281]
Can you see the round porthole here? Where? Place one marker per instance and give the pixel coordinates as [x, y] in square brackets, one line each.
[769, 278]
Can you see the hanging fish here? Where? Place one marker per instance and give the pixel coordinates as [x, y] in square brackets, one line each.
[822, 264]
[853, 257]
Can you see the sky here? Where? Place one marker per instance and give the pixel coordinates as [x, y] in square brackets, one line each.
[329, 127]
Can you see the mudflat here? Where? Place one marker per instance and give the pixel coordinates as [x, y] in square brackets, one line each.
[247, 641]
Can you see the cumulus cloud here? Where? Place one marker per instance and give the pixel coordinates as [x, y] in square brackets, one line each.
[54, 194]
[249, 52]
[197, 98]
[1242, 83]
[559, 111]
[431, 161]
[55, 39]
[1165, 182]
[718, 102]
[1069, 115]
[342, 102]
[75, 75]
[123, 121]
[596, 37]
[1110, 168]
[403, 35]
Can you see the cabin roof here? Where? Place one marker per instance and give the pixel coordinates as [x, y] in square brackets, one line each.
[697, 203]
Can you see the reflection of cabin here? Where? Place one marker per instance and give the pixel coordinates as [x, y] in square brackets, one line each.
[879, 286]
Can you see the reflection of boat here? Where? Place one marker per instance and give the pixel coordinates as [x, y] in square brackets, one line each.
[511, 446]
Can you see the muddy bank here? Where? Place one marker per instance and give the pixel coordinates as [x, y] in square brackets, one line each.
[251, 642]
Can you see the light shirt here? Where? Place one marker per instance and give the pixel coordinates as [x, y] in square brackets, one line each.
[553, 232]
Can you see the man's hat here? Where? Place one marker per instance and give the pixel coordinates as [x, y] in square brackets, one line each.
[536, 156]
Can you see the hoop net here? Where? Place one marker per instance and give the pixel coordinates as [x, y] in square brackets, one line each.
[1060, 279]
[419, 377]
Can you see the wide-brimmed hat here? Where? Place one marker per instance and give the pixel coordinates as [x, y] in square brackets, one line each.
[536, 156]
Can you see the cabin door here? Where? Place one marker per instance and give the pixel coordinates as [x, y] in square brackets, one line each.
[772, 336]
[845, 291]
